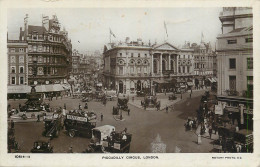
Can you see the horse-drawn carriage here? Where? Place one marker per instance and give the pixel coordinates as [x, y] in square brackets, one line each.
[121, 105]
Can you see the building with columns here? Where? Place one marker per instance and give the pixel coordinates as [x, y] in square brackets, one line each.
[134, 66]
[235, 64]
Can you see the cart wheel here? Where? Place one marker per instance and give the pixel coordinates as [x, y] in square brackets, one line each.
[71, 133]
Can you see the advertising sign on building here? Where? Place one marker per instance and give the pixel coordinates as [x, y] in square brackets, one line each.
[218, 109]
[76, 118]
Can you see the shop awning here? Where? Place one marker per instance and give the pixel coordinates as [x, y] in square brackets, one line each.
[19, 89]
[231, 109]
[40, 88]
[161, 81]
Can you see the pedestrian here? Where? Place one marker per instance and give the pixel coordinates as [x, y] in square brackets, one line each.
[210, 131]
[166, 109]
[70, 150]
[20, 106]
[165, 92]
[12, 124]
[65, 106]
[38, 118]
[79, 106]
[190, 95]
[128, 111]
[102, 117]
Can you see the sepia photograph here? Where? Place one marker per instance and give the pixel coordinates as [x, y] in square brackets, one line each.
[129, 80]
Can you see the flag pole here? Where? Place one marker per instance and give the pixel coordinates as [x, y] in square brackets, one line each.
[109, 36]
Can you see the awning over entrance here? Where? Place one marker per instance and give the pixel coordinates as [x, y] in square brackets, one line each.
[231, 109]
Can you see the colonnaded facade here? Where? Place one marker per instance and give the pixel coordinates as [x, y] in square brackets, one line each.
[135, 66]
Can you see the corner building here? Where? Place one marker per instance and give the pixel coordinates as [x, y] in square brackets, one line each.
[49, 51]
[134, 66]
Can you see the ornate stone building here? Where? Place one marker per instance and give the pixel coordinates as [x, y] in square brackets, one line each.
[49, 51]
[134, 66]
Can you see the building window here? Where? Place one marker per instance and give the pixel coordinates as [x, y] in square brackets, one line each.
[139, 55]
[21, 69]
[21, 80]
[132, 54]
[30, 48]
[120, 54]
[12, 50]
[155, 70]
[120, 70]
[40, 59]
[138, 70]
[233, 41]
[13, 80]
[232, 63]
[13, 70]
[132, 70]
[145, 70]
[13, 59]
[179, 69]
[34, 48]
[30, 59]
[21, 50]
[188, 69]
[232, 83]
[183, 69]
[250, 83]
[250, 63]
[184, 56]
[21, 59]
[249, 40]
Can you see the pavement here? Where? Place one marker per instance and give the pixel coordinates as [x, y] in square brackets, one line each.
[144, 126]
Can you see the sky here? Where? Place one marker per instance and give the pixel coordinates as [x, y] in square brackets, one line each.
[88, 28]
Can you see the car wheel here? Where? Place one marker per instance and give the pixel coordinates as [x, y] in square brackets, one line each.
[71, 133]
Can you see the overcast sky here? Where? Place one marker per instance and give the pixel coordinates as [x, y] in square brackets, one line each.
[90, 26]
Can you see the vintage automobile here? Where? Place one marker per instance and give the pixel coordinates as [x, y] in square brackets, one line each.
[106, 140]
[52, 125]
[85, 99]
[140, 93]
[121, 105]
[79, 125]
[42, 146]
